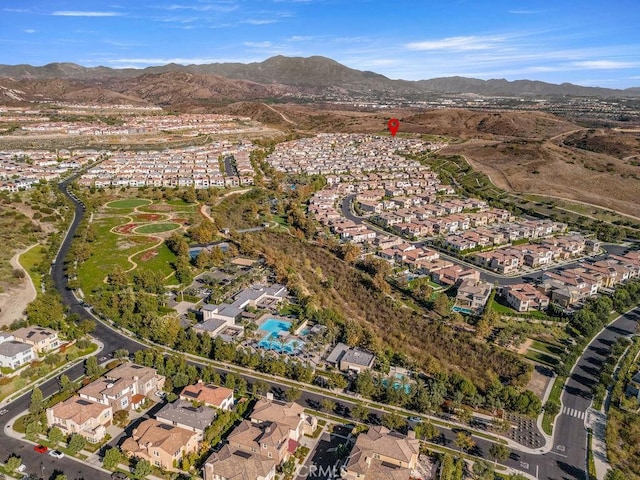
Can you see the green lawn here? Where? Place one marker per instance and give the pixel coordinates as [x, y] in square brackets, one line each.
[29, 260]
[129, 203]
[178, 202]
[498, 307]
[542, 358]
[157, 228]
[108, 250]
[160, 262]
[547, 347]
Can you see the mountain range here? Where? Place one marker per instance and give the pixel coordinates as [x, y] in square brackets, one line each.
[275, 77]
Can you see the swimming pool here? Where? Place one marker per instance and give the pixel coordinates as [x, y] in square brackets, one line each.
[397, 385]
[270, 341]
[275, 326]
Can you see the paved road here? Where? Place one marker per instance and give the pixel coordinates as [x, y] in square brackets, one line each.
[565, 461]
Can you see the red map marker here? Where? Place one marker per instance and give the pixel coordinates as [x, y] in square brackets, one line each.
[394, 125]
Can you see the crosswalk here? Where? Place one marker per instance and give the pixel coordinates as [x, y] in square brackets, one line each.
[573, 413]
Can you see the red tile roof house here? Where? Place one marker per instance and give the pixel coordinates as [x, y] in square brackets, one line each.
[381, 454]
[208, 394]
[289, 414]
[84, 417]
[119, 386]
[160, 444]
[524, 297]
[257, 446]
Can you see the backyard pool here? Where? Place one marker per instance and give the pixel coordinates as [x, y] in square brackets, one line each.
[277, 330]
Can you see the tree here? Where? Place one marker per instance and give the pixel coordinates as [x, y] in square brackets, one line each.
[552, 407]
[13, 462]
[441, 304]
[112, 458]
[76, 443]
[464, 442]
[260, 388]
[66, 385]
[426, 431]
[482, 470]
[55, 436]
[121, 353]
[393, 421]
[360, 412]
[37, 402]
[60, 476]
[142, 469]
[328, 405]
[447, 467]
[121, 417]
[614, 474]
[292, 394]
[498, 451]
[364, 384]
[91, 367]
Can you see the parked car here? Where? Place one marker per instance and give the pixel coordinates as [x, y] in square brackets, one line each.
[160, 394]
[21, 468]
[415, 419]
[56, 453]
[41, 449]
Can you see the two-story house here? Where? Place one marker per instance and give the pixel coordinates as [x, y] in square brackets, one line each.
[269, 439]
[42, 339]
[184, 415]
[123, 387]
[289, 414]
[209, 395]
[13, 353]
[84, 417]
[160, 444]
[232, 464]
[381, 453]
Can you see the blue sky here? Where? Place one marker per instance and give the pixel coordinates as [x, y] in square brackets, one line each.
[587, 42]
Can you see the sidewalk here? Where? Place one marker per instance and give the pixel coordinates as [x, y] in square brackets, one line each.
[597, 421]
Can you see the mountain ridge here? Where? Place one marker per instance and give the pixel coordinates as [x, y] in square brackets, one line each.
[315, 73]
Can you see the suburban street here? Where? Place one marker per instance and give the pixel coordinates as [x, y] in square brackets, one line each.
[565, 459]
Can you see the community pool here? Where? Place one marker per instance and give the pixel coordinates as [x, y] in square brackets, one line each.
[271, 341]
[397, 385]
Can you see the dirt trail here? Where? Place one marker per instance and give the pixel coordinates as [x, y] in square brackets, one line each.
[15, 299]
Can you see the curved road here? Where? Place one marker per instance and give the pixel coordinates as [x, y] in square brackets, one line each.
[566, 460]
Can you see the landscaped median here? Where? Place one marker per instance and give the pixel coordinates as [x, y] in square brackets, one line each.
[552, 407]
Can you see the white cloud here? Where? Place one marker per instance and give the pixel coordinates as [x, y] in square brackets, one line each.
[604, 64]
[471, 42]
[78, 13]
[258, 44]
[29, 30]
[300, 38]
[264, 21]
[204, 8]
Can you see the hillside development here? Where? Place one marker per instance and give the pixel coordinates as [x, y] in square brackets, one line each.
[391, 269]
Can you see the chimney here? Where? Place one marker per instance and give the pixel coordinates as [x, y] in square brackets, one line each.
[411, 435]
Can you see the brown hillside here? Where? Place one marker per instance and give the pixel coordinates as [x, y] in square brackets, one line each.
[543, 167]
[466, 123]
[176, 88]
[619, 144]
